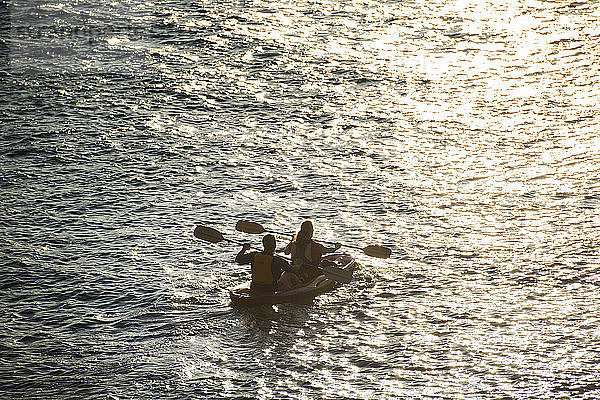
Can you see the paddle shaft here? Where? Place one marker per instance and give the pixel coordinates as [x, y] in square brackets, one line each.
[291, 235]
[255, 227]
[317, 240]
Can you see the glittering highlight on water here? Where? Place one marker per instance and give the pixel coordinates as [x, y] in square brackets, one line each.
[462, 134]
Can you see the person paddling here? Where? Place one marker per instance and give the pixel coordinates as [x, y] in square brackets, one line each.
[266, 267]
[304, 250]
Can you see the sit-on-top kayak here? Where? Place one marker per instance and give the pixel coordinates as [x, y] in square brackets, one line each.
[242, 295]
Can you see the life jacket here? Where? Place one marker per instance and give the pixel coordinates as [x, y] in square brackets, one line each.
[261, 270]
[309, 254]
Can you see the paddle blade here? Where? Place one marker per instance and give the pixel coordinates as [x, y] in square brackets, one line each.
[377, 251]
[337, 274]
[249, 227]
[208, 234]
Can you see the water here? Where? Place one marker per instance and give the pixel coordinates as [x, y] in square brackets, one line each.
[463, 135]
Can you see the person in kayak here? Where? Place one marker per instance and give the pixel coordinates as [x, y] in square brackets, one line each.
[266, 267]
[306, 252]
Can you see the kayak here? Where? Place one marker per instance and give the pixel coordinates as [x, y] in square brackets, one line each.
[242, 295]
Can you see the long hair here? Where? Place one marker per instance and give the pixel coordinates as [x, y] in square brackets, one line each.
[304, 237]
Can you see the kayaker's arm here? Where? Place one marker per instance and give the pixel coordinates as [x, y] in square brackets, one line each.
[286, 266]
[331, 249]
[242, 257]
[288, 248]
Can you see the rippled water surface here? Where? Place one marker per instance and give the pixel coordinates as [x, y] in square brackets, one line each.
[464, 135]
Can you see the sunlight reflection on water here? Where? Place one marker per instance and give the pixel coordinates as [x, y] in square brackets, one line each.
[462, 134]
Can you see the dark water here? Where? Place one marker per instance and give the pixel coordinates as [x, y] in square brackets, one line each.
[463, 135]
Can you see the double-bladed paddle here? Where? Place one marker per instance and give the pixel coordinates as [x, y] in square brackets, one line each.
[256, 228]
[214, 236]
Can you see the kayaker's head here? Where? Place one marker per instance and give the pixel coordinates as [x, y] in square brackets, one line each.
[269, 244]
[306, 229]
